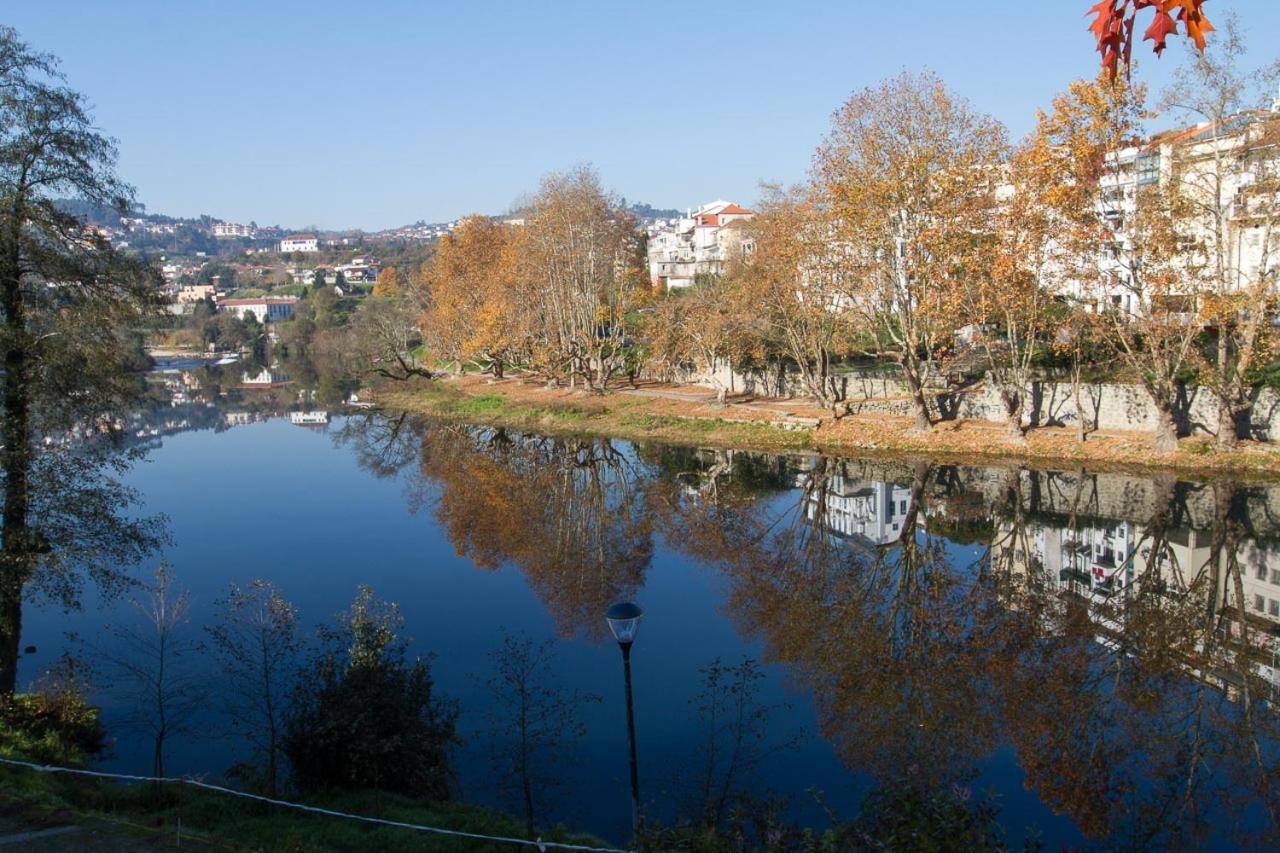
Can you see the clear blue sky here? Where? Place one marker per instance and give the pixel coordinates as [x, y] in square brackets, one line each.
[379, 113]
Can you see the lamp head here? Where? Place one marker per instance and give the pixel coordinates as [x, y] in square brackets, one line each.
[624, 620]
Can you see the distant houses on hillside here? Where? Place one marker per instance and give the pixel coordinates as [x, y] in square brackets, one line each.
[697, 244]
[234, 229]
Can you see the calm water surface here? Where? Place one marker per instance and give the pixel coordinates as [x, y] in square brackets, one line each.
[1072, 643]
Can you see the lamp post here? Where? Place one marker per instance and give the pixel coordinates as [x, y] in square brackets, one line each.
[624, 619]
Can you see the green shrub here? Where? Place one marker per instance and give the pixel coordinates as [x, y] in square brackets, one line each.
[55, 723]
[364, 717]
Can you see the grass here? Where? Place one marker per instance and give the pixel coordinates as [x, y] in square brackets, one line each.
[149, 816]
[639, 418]
[617, 415]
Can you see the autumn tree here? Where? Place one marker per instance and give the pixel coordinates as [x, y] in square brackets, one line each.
[471, 312]
[1229, 190]
[704, 326]
[1009, 293]
[583, 276]
[908, 174]
[1144, 286]
[388, 282]
[792, 291]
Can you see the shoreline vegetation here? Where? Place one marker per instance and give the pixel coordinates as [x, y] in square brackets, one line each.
[101, 815]
[691, 415]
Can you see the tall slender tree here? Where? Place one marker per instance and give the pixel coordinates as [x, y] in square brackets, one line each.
[68, 357]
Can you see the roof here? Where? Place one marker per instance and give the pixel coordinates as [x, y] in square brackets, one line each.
[299, 237]
[735, 209]
[260, 300]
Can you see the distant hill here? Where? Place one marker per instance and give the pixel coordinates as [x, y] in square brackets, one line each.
[645, 211]
[96, 214]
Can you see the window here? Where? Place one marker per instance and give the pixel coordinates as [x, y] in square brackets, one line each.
[1148, 166]
[1275, 576]
[1259, 603]
[1273, 607]
[1261, 572]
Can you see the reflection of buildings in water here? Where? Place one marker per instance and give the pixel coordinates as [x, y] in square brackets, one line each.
[1101, 558]
[318, 418]
[263, 378]
[868, 511]
[1103, 563]
[1260, 577]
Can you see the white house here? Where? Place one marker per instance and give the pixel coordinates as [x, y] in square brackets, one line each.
[299, 243]
[268, 309]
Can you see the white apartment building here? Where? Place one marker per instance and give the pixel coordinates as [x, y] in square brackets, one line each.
[699, 244]
[268, 309]
[1218, 168]
[233, 229]
[299, 243]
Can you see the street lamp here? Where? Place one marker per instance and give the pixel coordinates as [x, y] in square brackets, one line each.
[624, 620]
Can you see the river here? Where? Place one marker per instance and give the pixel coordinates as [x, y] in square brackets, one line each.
[1070, 644]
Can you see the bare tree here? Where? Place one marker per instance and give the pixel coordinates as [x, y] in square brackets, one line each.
[152, 663]
[735, 734]
[256, 640]
[583, 278]
[535, 723]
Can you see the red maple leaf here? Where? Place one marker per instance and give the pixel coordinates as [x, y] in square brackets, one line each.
[1114, 20]
[1161, 28]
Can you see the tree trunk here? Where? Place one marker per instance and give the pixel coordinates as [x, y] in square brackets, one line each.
[16, 551]
[1079, 401]
[1165, 437]
[923, 423]
[1012, 401]
[1228, 437]
[10, 636]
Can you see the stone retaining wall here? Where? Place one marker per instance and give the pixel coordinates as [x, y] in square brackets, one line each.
[1106, 406]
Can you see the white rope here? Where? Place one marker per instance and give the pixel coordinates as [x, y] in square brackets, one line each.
[186, 780]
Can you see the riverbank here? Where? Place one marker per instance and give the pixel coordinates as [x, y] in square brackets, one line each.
[43, 812]
[690, 415]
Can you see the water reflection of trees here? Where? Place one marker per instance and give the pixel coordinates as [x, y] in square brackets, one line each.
[566, 511]
[1134, 699]
[1138, 702]
[1106, 628]
[874, 622]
